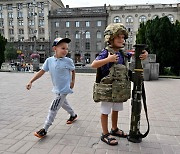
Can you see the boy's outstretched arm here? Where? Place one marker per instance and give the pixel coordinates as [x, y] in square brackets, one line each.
[37, 76]
[73, 79]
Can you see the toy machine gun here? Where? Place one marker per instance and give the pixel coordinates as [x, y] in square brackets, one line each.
[138, 93]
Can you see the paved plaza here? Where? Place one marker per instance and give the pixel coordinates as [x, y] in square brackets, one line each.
[22, 112]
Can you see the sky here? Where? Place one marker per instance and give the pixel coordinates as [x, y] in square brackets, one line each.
[89, 3]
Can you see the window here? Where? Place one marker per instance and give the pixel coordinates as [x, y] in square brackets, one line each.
[99, 23]
[29, 5]
[67, 34]
[99, 36]
[2, 31]
[87, 46]
[19, 6]
[41, 5]
[142, 19]
[41, 13]
[11, 39]
[76, 45]
[30, 31]
[1, 15]
[20, 14]
[129, 19]
[67, 24]
[41, 30]
[117, 19]
[77, 23]
[98, 46]
[11, 31]
[10, 23]
[21, 23]
[41, 22]
[21, 47]
[31, 22]
[56, 34]
[30, 14]
[31, 47]
[10, 14]
[56, 24]
[77, 35]
[87, 58]
[41, 47]
[1, 23]
[1, 7]
[87, 24]
[171, 18]
[9, 6]
[88, 35]
[154, 16]
[21, 31]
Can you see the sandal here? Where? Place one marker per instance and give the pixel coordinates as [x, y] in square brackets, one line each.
[114, 133]
[106, 139]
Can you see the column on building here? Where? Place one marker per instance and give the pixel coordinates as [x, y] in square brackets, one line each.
[46, 27]
[25, 22]
[15, 22]
[6, 29]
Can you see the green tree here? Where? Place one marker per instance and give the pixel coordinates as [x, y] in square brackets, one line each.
[3, 42]
[176, 47]
[10, 52]
[158, 34]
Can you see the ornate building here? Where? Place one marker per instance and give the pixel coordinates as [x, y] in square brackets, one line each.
[85, 26]
[132, 15]
[25, 23]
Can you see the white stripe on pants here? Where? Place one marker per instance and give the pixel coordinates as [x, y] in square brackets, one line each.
[58, 102]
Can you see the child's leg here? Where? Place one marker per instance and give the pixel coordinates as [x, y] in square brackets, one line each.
[114, 118]
[55, 106]
[106, 137]
[115, 130]
[104, 123]
[68, 108]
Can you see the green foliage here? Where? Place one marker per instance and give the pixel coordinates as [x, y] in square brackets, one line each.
[3, 42]
[10, 52]
[163, 39]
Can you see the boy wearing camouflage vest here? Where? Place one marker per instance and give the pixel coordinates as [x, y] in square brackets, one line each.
[112, 86]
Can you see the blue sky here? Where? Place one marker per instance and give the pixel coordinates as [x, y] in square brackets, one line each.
[89, 3]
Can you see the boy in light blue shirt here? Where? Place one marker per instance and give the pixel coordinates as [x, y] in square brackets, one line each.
[62, 71]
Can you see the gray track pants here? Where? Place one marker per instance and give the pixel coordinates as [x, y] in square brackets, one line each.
[57, 103]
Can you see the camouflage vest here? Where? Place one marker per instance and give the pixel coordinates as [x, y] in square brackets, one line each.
[116, 87]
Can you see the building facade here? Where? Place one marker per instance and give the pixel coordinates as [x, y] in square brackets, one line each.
[25, 24]
[33, 25]
[132, 15]
[85, 26]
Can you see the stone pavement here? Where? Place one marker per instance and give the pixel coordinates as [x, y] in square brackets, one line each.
[22, 112]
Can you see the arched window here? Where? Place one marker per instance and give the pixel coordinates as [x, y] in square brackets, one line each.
[142, 19]
[171, 18]
[88, 35]
[117, 19]
[99, 36]
[77, 35]
[129, 19]
[154, 16]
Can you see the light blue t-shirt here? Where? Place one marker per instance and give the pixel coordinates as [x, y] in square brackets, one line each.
[60, 71]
